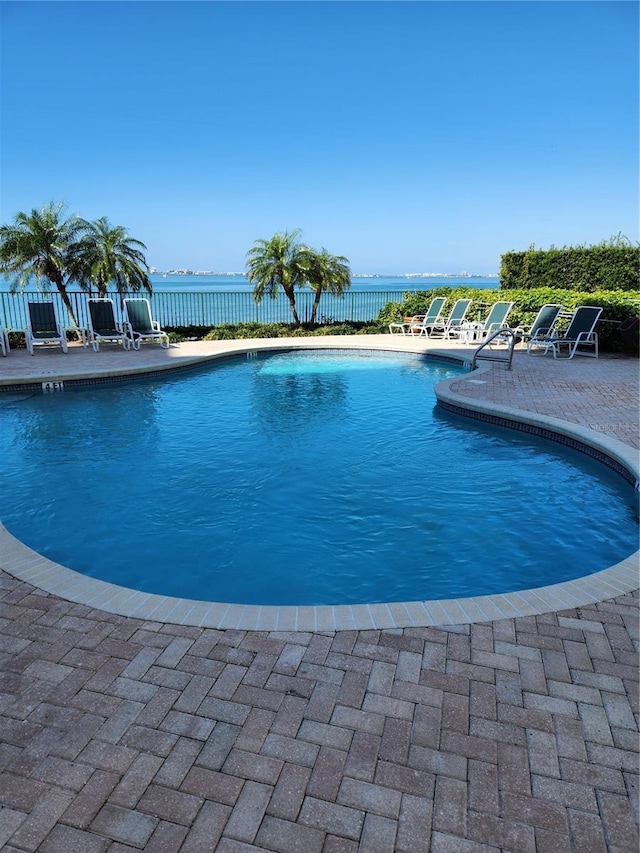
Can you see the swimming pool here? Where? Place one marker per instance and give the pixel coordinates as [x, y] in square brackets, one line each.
[302, 478]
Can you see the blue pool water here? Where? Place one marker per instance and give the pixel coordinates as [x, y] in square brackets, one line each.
[302, 478]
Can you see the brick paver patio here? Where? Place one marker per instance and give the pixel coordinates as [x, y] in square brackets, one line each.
[118, 734]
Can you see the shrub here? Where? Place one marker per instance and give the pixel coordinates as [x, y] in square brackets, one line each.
[186, 333]
[610, 265]
[241, 331]
[17, 340]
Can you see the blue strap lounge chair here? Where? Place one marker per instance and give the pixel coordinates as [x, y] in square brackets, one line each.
[141, 326]
[103, 326]
[579, 335]
[43, 327]
[422, 323]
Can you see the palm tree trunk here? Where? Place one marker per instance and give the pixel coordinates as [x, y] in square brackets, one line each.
[101, 285]
[62, 290]
[292, 304]
[316, 302]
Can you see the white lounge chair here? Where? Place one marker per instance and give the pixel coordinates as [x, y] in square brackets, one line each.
[579, 334]
[103, 326]
[422, 323]
[4, 341]
[141, 326]
[43, 328]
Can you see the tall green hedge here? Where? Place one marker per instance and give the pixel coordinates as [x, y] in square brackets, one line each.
[612, 265]
[618, 306]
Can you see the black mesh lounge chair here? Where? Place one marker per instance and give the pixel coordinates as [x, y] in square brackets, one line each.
[421, 323]
[103, 326]
[579, 335]
[140, 324]
[43, 327]
[543, 325]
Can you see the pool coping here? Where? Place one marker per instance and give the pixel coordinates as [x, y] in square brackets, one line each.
[28, 565]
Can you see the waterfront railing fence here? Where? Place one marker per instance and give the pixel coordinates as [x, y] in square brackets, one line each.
[208, 308]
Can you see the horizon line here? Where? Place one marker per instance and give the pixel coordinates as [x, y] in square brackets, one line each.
[188, 271]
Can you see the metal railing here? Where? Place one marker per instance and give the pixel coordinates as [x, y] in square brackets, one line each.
[208, 308]
[486, 352]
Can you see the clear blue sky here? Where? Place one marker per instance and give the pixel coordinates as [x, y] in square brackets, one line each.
[408, 136]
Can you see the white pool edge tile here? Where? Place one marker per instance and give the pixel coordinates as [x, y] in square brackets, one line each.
[26, 565]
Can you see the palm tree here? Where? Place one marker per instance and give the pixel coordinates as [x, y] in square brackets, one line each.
[325, 272]
[106, 253]
[277, 263]
[41, 246]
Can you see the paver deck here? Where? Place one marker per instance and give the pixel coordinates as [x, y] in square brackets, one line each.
[123, 734]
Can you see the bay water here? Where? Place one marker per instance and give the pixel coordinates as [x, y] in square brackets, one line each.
[208, 299]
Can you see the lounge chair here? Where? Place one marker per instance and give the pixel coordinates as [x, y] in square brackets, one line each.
[543, 325]
[43, 327]
[477, 332]
[103, 326]
[421, 324]
[4, 341]
[579, 333]
[453, 321]
[140, 324]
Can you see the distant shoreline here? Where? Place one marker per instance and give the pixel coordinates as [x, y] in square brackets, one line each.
[155, 271]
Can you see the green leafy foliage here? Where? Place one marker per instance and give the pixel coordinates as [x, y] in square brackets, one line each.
[48, 248]
[242, 331]
[17, 340]
[283, 262]
[610, 265]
